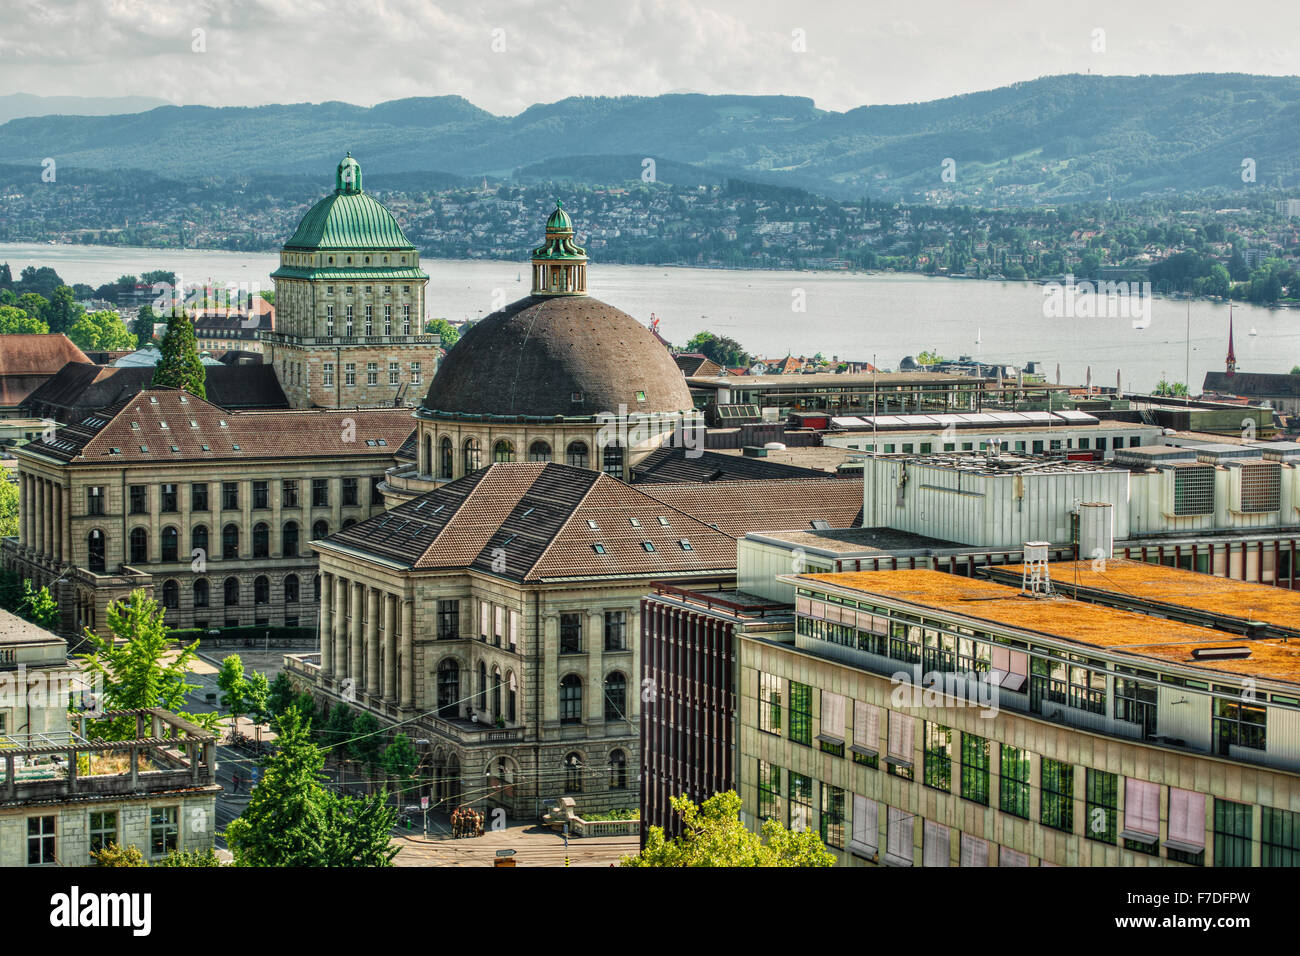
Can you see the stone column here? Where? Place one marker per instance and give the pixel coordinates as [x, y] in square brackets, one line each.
[56, 522]
[340, 620]
[355, 663]
[65, 517]
[326, 623]
[46, 519]
[390, 648]
[25, 509]
[372, 642]
[408, 663]
[594, 685]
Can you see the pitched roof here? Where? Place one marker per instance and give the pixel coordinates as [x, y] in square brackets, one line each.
[739, 507]
[693, 363]
[28, 360]
[80, 387]
[675, 464]
[532, 521]
[164, 424]
[1253, 384]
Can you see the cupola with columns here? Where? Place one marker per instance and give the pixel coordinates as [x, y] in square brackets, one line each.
[559, 264]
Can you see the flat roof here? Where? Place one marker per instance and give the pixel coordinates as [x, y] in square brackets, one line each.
[15, 630]
[849, 541]
[858, 379]
[1161, 585]
[1071, 621]
[1005, 463]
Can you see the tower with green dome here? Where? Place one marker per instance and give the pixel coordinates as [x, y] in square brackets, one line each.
[350, 305]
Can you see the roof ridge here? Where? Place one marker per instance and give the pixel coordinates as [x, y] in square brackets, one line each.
[572, 514]
[477, 478]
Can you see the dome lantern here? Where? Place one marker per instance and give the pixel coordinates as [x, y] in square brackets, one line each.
[348, 178]
[559, 264]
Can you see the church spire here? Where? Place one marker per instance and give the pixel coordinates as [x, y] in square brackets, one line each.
[1231, 363]
[559, 264]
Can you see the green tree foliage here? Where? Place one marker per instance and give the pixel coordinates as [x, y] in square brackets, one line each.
[101, 332]
[280, 694]
[179, 366]
[63, 311]
[39, 606]
[139, 667]
[712, 835]
[14, 319]
[400, 762]
[929, 358]
[190, 858]
[258, 697]
[8, 508]
[35, 305]
[725, 351]
[368, 744]
[142, 326]
[234, 688]
[448, 333]
[338, 732]
[114, 855]
[41, 280]
[293, 820]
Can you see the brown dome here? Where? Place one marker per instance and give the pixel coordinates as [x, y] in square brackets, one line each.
[561, 355]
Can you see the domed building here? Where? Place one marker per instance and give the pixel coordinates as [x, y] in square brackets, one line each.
[349, 297]
[556, 376]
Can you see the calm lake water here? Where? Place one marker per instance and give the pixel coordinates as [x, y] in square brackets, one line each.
[850, 315]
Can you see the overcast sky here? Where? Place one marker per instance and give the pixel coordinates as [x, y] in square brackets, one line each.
[842, 54]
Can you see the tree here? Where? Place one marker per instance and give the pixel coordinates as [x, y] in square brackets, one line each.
[8, 508]
[725, 351]
[101, 332]
[368, 745]
[400, 762]
[280, 694]
[34, 304]
[63, 311]
[258, 692]
[190, 858]
[713, 835]
[139, 667]
[142, 326]
[293, 820]
[929, 358]
[14, 319]
[39, 606]
[179, 366]
[114, 855]
[448, 334]
[234, 689]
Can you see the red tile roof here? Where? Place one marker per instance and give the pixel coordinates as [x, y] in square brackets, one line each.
[28, 360]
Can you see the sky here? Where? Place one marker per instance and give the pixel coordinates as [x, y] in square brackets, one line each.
[505, 55]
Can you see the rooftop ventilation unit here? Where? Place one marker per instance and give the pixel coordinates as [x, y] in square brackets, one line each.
[1280, 450]
[1217, 454]
[1035, 577]
[1220, 653]
[1152, 455]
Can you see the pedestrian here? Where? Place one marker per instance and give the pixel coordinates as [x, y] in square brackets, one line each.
[236, 782]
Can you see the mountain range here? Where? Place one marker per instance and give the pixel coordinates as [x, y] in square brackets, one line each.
[1045, 140]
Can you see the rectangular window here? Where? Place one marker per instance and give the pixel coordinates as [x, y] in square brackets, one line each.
[103, 829]
[801, 797]
[289, 493]
[1014, 782]
[394, 374]
[866, 827]
[898, 845]
[866, 734]
[388, 320]
[230, 495]
[801, 713]
[327, 374]
[94, 500]
[902, 733]
[199, 496]
[1057, 784]
[1186, 840]
[349, 373]
[41, 841]
[1231, 833]
[937, 848]
[139, 500]
[832, 816]
[514, 629]
[974, 851]
[615, 630]
[349, 492]
[376, 493]
[329, 320]
[769, 703]
[975, 768]
[163, 831]
[372, 373]
[769, 792]
[570, 633]
[448, 620]
[1101, 816]
[261, 494]
[348, 320]
[498, 625]
[1279, 837]
[484, 620]
[937, 771]
[1141, 831]
[1238, 724]
[415, 373]
[320, 492]
[370, 320]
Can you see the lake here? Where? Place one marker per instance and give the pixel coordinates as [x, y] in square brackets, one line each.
[851, 315]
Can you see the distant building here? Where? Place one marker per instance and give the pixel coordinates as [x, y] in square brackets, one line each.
[28, 361]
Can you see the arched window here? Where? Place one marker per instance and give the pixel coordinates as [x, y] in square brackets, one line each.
[496, 692]
[289, 540]
[612, 460]
[291, 589]
[444, 457]
[573, 773]
[571, 700]
[618, 770]
[171, 595]
[230, 542]
[171, 543]
[503, 451]
[95, 547]
[576, 455]
[449, 688]
[473, 454]
[261, 590]
[199, 540]
[261, 540]
[616, 697]
[539, 451]
[201, 593]
[320, 529]
[139, 546]
[482, 685]
[428, 463]
[232, 592]
[512, 696]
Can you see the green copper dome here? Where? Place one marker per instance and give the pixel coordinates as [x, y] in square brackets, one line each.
[559, 221]
[348, 218]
